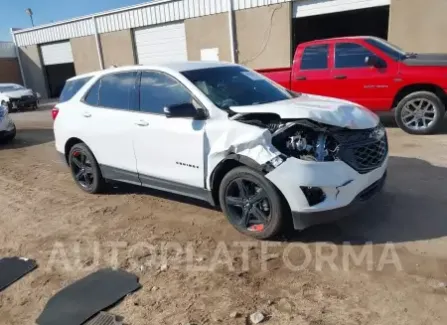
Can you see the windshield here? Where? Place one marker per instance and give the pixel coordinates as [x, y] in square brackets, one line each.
[392, 50]
[236, 86]
[6, 88]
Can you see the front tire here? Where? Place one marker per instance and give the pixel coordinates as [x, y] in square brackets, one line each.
[251, 203]
[85, 169]
[10, 137]
[419, 113]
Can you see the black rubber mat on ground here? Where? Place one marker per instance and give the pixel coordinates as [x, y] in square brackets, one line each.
[104, 318]
[80, 301]
[13, 269]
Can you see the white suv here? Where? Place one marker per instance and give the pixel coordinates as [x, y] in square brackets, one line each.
[225, 134]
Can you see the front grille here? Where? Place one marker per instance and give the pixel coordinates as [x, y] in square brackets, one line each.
[364, 150]
[22, 101]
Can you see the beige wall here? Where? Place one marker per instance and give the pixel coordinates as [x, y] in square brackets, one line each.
[33, 69]
[262, 44]
[208, 32]
[85, 54]
[117, 48]
[10, 71]
[419, 25]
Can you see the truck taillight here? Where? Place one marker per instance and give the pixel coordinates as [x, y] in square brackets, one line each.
[54, 112]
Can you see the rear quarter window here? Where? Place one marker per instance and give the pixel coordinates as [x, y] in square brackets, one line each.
[71, 87]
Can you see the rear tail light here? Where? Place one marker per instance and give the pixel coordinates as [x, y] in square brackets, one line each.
[54, 112]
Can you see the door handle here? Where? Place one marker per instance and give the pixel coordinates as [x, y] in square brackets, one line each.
[87, 114]
[142, 123]
[301, 78]
[340, 77]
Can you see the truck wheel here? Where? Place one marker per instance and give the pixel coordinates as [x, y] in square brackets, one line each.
[251, 203]
[421, 112]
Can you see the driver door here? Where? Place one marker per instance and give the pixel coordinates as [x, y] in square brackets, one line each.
[168, 151]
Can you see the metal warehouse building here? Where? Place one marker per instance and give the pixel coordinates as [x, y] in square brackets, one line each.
[256, 33]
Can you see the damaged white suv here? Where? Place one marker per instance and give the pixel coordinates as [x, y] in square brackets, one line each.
[222, 133]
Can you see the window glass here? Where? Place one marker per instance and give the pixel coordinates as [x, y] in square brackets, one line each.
[71, 87]
[159, 90]
[392, 50]
[315, 57]
[93, 94]
[351, 55]
[236, 86]
[117, 90]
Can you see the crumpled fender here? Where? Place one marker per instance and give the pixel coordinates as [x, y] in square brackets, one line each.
[233, 137]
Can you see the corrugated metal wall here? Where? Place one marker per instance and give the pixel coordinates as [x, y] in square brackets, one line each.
[155, 12]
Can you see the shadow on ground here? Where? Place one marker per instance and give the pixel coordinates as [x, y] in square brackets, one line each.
[412, 207]
[116, 188]
[29, 137]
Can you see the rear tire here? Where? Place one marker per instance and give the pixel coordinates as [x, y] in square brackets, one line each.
[420, 113]
[85, 169]
[260, 212]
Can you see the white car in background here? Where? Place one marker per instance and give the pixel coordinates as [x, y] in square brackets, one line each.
[225, 134]
[16, 97]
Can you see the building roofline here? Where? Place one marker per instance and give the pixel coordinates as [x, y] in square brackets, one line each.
[103, 13]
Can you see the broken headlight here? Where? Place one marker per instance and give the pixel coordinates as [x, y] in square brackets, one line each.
[307, 144]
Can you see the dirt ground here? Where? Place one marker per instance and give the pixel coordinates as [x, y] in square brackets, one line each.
[44, 216]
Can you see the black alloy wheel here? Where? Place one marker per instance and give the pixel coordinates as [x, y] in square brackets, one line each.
[251, 203]
[84, 169]
[248, 204]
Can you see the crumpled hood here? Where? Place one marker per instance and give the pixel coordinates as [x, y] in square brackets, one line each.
[18, 93]
[320, 109]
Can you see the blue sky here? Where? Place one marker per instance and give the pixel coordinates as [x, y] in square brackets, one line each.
[13, 11]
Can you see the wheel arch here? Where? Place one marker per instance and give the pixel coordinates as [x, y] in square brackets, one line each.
[408, 89]
[230, 162]
[69, 144]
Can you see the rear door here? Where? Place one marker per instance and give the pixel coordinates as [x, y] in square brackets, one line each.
[108, 114]
[353, 79]
[311, 72]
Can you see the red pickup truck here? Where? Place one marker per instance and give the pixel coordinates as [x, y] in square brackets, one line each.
[375, 74]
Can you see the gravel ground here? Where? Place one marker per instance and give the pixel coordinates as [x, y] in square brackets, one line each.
[174, 245]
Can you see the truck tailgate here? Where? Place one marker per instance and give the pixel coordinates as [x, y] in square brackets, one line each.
[279, 75]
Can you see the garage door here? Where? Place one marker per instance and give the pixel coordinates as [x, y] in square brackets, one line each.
[56, 53]
[166, 43]
[305, 8]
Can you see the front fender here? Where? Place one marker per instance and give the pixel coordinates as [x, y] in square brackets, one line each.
[250, 145]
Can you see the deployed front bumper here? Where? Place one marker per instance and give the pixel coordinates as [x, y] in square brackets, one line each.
[343, 188]
[23, 102]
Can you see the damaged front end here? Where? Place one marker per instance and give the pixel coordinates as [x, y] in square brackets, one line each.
[323, 171]
[362, 149]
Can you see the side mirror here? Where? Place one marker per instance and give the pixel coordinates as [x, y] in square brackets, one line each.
[184, 110]
[374, 61]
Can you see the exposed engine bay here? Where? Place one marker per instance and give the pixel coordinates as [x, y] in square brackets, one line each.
[302, 139]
